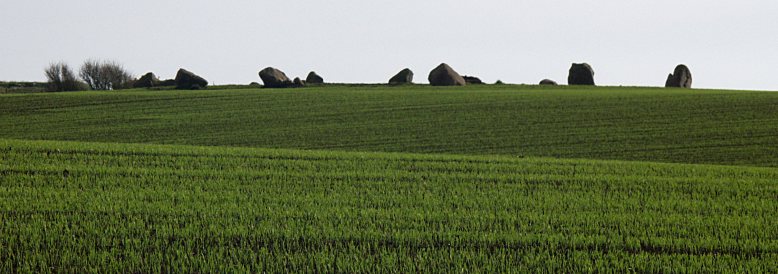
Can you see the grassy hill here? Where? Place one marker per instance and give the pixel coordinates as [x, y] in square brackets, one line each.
[168, 208]
[376, 178]
[649, 124]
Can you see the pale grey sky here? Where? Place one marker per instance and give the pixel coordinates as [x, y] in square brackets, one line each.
[726, 44]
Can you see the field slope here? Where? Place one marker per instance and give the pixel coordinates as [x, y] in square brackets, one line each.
[390, 179]
[165, 208]
[646, 124]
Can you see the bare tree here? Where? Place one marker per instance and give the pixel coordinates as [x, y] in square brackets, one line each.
[105, 75]
[61, 78]
[90, 73]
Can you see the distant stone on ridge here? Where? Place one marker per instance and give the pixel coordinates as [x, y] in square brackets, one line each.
[444, 75]
[405, 76]
[188, 80]
[548, 82]
[274, 78]
[314, 78]
[298, 83]
[472, 80]
[254, 84]
[581, 74]
[148, 80]
[680, 78]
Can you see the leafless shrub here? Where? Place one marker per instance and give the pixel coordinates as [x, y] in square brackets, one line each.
[105, 75]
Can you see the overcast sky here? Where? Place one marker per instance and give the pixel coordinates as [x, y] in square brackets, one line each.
[726, 44]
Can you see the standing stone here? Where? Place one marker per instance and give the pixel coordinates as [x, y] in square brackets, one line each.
[548, 82]
[314, 78]
[274, 78]
[444, 75]
[149, 80]
[188, 80]
[472, 80]
[581, 74]
[680, 78]
[405, 76]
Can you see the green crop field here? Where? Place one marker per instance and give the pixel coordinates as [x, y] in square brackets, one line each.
[648, 124]
[390, 179]
[176, 208]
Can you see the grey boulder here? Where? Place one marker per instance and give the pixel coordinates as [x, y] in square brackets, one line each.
[405, 76]
[444, 75]
[148, 80]
[680, 78]
[274, 78]
[581, 74]
[298, 83]
[187, 80]
[314, 78]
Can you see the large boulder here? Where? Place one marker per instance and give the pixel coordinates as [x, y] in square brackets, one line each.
[472, 80]
[548, 82]
[581, 74]
[680, 78]
[405, 76]
[274, 78]
[444, 75]
[314, 78]
[188, 80]
[149, 80]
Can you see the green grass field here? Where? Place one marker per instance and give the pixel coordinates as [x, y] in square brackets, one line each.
[179, 208]
[390, 179]
[648, 124]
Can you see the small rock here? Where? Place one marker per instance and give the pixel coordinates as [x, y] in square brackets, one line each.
[472, 80]
[548, 82]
